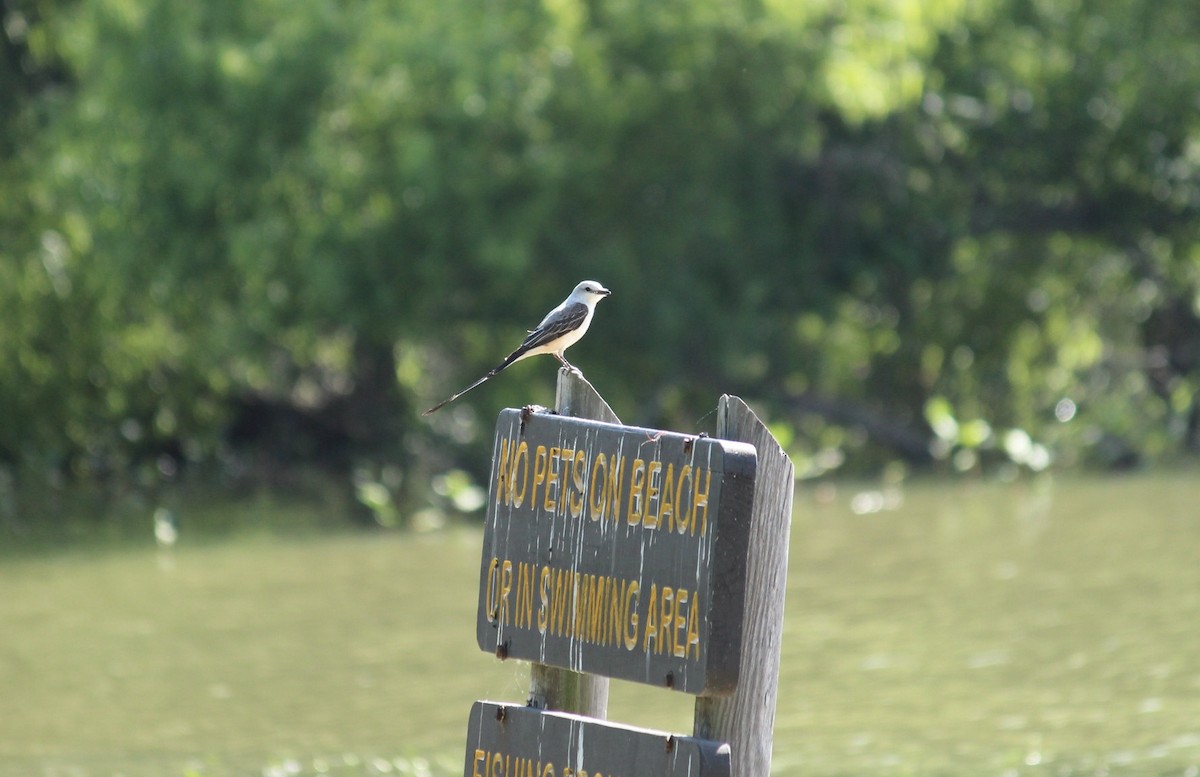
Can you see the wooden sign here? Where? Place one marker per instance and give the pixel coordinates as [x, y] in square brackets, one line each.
[616, 551]
[513, 741]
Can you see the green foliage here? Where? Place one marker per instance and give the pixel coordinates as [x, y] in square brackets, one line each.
[875, 217]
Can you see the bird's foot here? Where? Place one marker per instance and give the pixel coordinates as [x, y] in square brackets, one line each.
[529, 410]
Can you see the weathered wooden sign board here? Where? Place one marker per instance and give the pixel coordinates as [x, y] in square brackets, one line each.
[617, 551]
[514, 741]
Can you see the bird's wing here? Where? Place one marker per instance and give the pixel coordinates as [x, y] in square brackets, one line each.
[554, 326]
[558, 323]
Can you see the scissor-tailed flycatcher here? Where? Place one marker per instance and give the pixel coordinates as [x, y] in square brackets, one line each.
[559, 330]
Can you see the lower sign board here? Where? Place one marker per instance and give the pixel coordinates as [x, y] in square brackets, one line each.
[512, 741]
[616, 550]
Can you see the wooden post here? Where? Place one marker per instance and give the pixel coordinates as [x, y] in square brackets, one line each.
[551, 688]
[746, 719]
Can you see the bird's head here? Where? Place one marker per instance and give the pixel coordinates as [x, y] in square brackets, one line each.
[590, 292]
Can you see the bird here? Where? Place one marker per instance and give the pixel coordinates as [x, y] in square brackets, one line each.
[559, 330]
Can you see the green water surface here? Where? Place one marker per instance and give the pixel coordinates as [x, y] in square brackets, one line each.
[1042, 628]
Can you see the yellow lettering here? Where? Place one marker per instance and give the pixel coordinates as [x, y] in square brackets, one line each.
[595, 632]
[573, 618]
[544, 595]
[596, 504]
[616, 617]
[503, 475]
[562, 591]
[666, 511]
[548, 504]
[693, 629]
[565, 457]
[577, 470]
[522, 458]
[583, 601]
[540, 463]
[651, 632]
[612, 593]
[612, 487]
[667, 620]
[597, 609]
[685, 472]
[493, 607]
[479, 756]
[700, 501]
[506, 581]
[631, 608]
[650, 520]
[679, 648]
[524, 594]
[637, 482]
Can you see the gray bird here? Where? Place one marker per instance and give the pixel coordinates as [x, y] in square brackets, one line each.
[559, 330]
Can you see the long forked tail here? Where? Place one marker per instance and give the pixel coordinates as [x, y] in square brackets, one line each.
[453, 397]
[512, 357]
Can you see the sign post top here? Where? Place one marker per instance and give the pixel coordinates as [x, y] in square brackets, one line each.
[616, 550]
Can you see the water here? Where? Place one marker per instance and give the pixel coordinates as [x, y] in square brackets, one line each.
[998, 630]
[1048, 628]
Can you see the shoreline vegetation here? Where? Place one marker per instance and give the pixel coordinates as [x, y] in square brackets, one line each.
[950, 238]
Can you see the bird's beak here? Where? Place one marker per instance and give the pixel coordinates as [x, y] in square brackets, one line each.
[605, 291]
